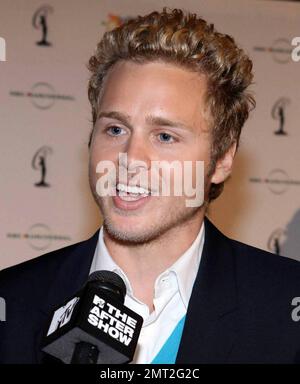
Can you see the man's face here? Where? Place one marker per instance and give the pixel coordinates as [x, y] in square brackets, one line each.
[151, 112]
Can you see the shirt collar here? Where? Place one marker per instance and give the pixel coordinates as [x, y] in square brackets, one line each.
[103, 261]
[185, 268]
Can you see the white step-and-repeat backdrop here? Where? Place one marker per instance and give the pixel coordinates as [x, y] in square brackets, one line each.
[45, 122]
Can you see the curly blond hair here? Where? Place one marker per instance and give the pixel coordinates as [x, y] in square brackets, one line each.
[189, 41]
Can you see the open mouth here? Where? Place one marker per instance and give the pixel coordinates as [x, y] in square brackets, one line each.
[130, 193]
[130, 198]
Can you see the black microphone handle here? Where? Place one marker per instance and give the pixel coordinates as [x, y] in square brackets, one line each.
[85, 353]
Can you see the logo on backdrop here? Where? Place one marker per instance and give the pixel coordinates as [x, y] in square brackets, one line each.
[39, 237]
[114, 21]
[42, 95]
[278, 113]
[2, 49]
[280, 50]
[275, 241]
[285, 241]
[40, 22]
[39, 162]
[277, 181]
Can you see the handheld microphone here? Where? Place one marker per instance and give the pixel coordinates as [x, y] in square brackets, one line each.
[94, 326]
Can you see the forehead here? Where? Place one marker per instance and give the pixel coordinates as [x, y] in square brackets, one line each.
[154, 88]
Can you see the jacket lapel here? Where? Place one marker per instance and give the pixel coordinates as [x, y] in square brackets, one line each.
[210, 326]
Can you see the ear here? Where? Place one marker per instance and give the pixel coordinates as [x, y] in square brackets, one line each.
[224, 166]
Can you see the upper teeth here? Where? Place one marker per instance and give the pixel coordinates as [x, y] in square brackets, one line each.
[129, 189]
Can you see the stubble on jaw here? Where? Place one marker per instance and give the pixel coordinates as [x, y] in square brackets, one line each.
[177, 219]
[155, 233]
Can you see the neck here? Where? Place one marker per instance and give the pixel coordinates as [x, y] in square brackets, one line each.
[144, 263]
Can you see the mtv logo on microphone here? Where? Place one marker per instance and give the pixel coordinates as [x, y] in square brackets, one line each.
[62, 315]
[93, 316]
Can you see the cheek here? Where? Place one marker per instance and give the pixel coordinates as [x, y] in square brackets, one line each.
[99, 153]
[92, 167]
[92, 171]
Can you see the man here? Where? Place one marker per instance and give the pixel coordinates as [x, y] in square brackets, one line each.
[165, 87]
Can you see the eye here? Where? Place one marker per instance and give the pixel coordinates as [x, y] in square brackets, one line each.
[114, 130]
[166, 138]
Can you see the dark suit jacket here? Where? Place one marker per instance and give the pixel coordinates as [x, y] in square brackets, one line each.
[239, 311]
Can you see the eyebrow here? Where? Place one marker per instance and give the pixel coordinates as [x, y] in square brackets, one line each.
[150, 119]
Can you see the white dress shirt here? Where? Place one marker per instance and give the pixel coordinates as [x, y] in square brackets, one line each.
[172, 292]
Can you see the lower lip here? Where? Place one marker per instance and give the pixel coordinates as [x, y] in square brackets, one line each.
[130, 205]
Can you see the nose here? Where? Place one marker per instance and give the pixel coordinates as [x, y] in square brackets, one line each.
[138, 153]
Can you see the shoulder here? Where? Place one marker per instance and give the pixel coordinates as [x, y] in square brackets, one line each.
[34, 276]
[265, 273]
[261, 259]
[256, 268]
[250, 257]
[44, 264]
